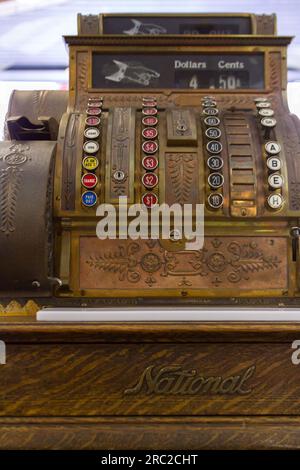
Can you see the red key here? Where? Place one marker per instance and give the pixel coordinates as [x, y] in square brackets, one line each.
[150, 146]
[89, 180]
[149, 200]
[149, 111]
[150, 180]
[150, 121]
[149, 133]
[150, 163]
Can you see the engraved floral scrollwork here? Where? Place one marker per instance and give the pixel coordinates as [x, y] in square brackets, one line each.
[248, 259]
[219, 263]
[10, 180]
[89, 24]
[10, 183]
[150, 262]
[121, 261]
[82, 78]
[181, 168]
[275, 70]
[216, 262]
[265, 24]
[243, 260]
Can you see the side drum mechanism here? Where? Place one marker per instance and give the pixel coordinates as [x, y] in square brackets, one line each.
[35, 115]
[27, 158]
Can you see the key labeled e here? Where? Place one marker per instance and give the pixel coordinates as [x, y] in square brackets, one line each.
[296, 354]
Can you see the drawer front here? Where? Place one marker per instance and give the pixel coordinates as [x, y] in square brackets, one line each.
[196, 379]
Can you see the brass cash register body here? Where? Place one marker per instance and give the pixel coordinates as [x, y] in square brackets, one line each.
[220, 134]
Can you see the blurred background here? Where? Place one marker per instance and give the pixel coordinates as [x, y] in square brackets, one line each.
[33, 55]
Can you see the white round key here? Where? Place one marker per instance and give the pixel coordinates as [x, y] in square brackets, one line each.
[91, 147]
[213, 133]
[273, 148]
[210, 111]
[209, 103]
[92, 133]
[268, 122]
[260, 99]
[275, 201]
[263, 104]
[274, 163]
[275, 180]
[266, 112]
[215, 180]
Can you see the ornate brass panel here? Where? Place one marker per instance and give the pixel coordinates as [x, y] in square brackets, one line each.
[252, 263]
[120, 154]
[181, 178]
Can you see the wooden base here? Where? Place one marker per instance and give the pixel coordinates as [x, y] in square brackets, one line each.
[149, 386]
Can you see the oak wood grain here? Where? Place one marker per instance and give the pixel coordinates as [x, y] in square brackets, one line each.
[63, 386]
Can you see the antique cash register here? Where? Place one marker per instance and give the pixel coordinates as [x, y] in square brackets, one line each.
[160, 109]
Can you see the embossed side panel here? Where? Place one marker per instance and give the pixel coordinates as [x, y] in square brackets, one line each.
[181, 178]
[69, 163]
[120, 155]
[198, 379]
[266, 24]
[225, 262]
[26, 188]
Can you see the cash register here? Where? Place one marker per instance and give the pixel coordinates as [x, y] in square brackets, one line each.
[161, 109]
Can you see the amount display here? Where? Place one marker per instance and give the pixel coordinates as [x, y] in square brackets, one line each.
[185, 71]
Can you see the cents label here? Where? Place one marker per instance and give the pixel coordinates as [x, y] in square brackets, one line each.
[212, 121]
[210, 111]
[209, 103]
[213, 133]
[215, 200]
[215, 180]
[215, 163]
[214, 146]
